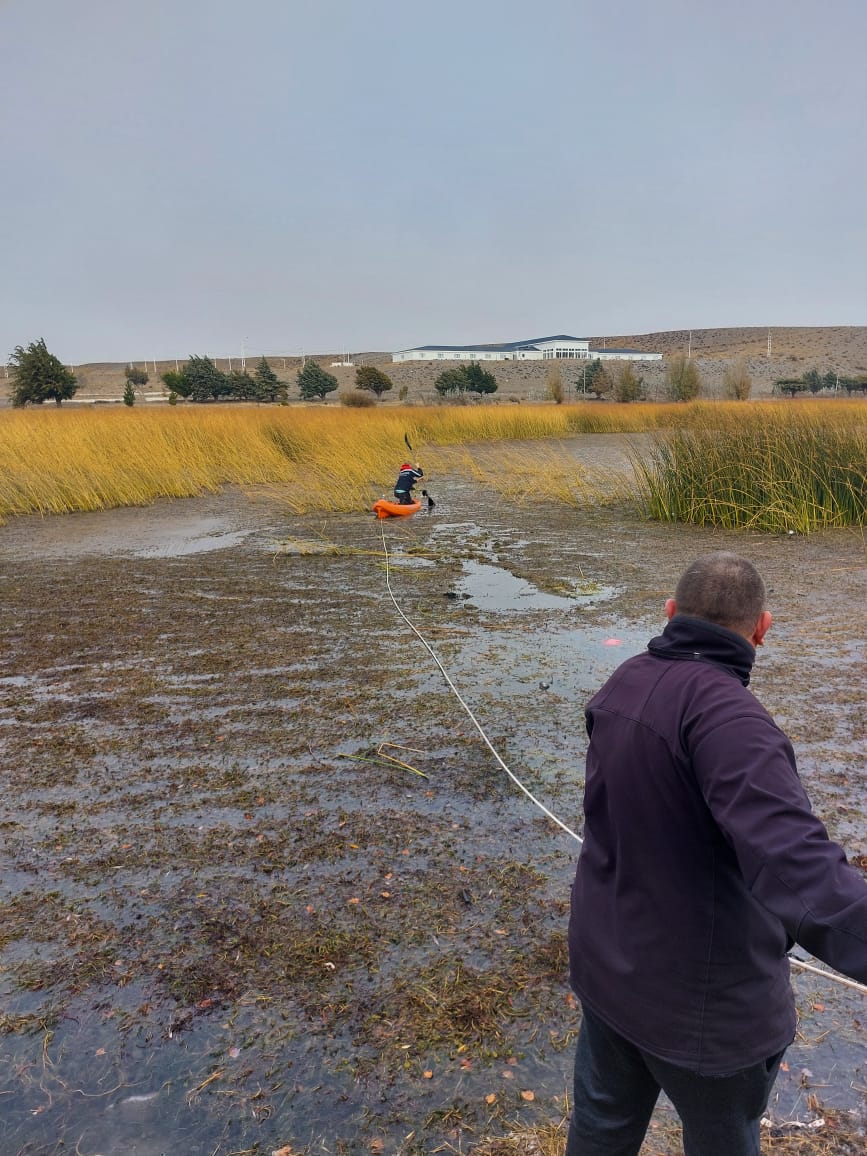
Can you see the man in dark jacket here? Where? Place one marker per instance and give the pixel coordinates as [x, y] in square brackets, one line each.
[406, 479]
[702, 864]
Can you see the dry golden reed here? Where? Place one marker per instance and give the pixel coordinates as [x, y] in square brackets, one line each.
[784, 468]
[58, 460]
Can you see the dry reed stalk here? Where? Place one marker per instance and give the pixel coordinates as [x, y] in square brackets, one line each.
[59, 460]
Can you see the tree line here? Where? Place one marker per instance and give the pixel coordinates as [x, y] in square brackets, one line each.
[812, 381]
[39, 376]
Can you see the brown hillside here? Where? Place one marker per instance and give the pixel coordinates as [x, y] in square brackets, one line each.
[823, 346]
[794, 349]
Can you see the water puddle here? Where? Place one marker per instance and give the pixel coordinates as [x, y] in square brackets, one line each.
[493, 588]
[182, 540]
[174, 532]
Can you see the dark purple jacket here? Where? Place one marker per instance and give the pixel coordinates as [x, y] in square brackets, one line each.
[701, 856]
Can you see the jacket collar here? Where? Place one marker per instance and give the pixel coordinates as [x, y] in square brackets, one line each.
[697, 640]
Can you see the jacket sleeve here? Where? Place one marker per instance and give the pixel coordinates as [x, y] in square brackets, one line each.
[747, 773]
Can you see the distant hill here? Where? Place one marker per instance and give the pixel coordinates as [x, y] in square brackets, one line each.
[793, 350]
[814, 344]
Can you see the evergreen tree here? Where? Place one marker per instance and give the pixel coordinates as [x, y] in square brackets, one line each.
[466, 379]
[268, 386]
[241, 385]
[314, 381]
[790, 385]
[373, 379]
[594, 379]
[479, 380]
[205, 381]
[129, 393]
[176, 383]
[450, 381]
[39, 376]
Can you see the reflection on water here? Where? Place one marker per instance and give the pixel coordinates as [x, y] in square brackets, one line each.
[493, 588]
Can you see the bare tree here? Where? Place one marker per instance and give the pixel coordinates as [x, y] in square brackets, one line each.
[554, 385]
[682, 378]
[737, 383]
[627, 384]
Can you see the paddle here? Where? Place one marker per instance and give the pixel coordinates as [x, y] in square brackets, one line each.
[430, 502]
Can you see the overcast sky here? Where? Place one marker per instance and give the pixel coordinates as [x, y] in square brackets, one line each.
[204, 176]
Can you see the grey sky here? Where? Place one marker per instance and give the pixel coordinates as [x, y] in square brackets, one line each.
[189, 176]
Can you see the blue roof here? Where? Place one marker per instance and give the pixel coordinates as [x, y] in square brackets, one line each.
[503, 346]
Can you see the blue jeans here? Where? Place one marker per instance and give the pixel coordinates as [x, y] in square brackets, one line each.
[618, 1084]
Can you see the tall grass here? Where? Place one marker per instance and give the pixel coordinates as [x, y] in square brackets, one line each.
[775, 469]
[56, 461]
[549, 471]
[59, 460]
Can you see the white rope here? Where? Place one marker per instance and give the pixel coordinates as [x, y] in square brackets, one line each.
[457, 695]
[828, 974]
[793, 960]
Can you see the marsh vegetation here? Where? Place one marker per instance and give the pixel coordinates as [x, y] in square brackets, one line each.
[229, 923]
[773, 466]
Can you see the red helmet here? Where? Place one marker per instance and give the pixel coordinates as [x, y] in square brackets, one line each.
[406, 466]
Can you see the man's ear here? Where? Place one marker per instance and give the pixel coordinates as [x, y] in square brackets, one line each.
[670, 608]
[762, 627]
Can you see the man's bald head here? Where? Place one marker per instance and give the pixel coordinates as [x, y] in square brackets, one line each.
[723, 588]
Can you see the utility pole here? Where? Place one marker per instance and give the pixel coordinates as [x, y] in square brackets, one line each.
[689, 348]
[769, 344]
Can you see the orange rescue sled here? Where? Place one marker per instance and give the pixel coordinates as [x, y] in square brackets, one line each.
[384, 509]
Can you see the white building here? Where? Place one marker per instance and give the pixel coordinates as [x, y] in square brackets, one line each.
[536, 349]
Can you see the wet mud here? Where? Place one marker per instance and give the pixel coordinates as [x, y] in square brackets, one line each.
[263, 882]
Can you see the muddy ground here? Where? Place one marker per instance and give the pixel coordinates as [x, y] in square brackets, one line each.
[264, 885]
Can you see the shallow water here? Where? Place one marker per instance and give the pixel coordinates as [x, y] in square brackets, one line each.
[493, 588]
[163, 530]
[178, 721]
